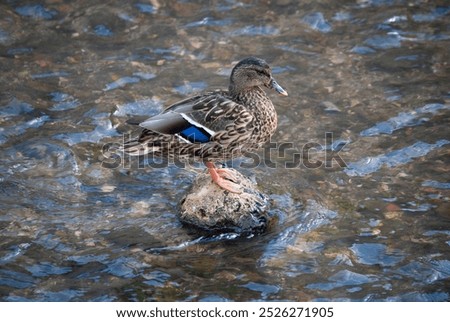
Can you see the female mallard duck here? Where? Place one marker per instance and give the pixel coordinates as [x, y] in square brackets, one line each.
[215, 126]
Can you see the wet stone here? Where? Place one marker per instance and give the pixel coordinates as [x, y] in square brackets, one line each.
[207, 206]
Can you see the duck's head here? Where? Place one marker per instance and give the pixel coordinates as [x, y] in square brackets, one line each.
[253, 72]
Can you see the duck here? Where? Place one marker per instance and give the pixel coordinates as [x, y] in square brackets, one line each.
[216, 126]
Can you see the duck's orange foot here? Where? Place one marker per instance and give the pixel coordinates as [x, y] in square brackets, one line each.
[224, 178]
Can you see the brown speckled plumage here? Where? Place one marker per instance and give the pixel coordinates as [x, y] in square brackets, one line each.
[229, 122]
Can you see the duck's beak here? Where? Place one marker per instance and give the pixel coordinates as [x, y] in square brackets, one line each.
[278, 88]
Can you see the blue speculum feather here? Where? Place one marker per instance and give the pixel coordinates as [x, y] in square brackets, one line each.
[195, 134]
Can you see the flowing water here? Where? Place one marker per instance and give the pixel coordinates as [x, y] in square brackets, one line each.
[357, 173]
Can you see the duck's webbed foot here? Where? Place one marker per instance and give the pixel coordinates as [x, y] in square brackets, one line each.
[224, 178]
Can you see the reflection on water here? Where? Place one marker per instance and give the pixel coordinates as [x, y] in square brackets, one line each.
[373, 73]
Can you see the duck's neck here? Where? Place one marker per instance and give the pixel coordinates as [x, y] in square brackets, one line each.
[234, 91]
[257, 101]
[249, 96]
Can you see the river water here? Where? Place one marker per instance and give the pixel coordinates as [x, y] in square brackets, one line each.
[357, 173]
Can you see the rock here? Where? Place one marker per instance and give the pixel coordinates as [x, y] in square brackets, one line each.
[207, 206]
[329, 106]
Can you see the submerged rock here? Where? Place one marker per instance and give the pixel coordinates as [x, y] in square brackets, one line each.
[208, 206]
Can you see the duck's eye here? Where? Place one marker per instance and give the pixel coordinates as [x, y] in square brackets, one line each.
[252, 74]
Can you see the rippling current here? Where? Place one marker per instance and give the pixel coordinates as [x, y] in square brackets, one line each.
[360, 196]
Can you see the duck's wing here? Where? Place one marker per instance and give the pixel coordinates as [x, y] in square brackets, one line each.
[201, 119]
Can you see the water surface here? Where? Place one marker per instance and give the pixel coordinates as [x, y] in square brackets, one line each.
[357, 173]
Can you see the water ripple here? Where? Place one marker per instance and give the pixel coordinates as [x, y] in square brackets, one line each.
[125, 267]
[384, 41]
[147, 107]
[46, 269]
[428, 272]
[264, 289]
[14, 108]
[50, 74]
[405, 119]
[437, 13]
[436, 184]
[190, 87]
[15, 279]
[391, 159]
[103, 128]
[4, 37]
[20, 128]
[36, 11]
[146, 8]
[103, 31]
[208, 21]
[376, 254]
[343, 278]
[85, 259]
[420, 297]
[317, 21]
[14, 252]
[156, 278]
[121, 82]
[63, 101]
[49, 296]
[256, 31]
[314, 216]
